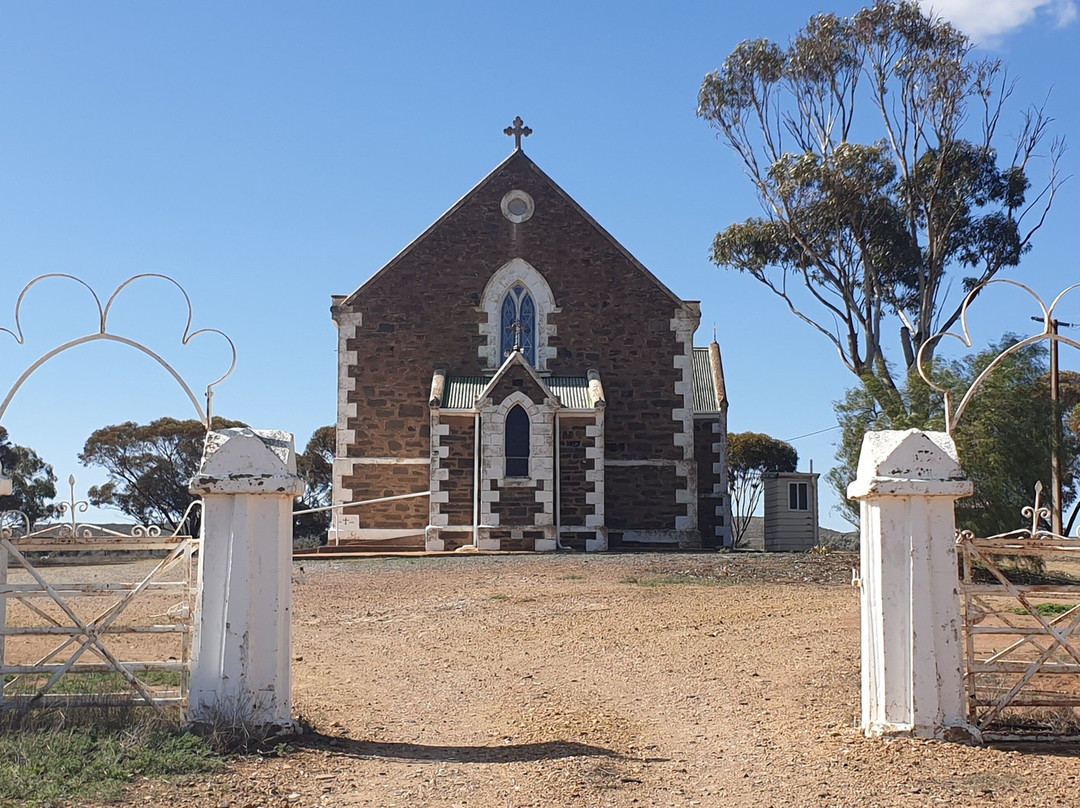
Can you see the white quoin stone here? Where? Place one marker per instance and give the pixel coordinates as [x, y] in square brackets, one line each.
[240, 666]
[912, 680]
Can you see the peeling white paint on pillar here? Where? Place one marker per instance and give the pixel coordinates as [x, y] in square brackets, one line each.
[240, 666]
[912, 667]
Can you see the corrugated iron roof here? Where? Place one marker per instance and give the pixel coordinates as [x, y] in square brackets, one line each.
[705, 398]
[461, 392]
[572, 392]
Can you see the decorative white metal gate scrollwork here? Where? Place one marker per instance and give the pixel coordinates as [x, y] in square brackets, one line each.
[72, 640]
[103, 333]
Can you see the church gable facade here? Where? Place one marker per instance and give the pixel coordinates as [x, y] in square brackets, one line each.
[520, 365]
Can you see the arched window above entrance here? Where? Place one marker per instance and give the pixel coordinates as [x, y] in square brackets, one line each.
[518, 323]
[517, 442]
[518, 303]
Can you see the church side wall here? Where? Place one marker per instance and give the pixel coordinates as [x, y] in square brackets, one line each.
[710, 450]
[384, 413]
[373, 481]
[573, 468]
[457, 479]
[630, 508]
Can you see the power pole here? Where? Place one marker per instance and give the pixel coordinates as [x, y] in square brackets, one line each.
[1055, 431]
[1055, 426]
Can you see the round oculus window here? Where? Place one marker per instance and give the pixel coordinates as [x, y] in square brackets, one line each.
[517, 206]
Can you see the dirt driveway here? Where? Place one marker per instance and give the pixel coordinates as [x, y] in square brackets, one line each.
[499, 682]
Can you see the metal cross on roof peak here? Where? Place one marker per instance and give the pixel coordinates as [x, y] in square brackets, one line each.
[518, 130]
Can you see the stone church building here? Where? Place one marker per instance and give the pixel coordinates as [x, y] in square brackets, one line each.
[518, 363]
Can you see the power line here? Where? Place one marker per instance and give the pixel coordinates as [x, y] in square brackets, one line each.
[811, 434]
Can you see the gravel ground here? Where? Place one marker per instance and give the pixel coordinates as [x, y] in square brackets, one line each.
[633, 680]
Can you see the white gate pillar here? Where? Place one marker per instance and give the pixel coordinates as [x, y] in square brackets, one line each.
[243, 631]
[912, 677]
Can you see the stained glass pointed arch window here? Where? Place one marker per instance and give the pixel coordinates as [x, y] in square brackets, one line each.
[518, 326]
[517, 442]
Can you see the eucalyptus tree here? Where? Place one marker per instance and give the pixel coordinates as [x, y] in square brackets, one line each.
[316, 466]
[751, 454]
[148, 467]
[33, 483]
[872, 143]
[1003, 439]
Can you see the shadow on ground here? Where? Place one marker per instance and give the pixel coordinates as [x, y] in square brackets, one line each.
[1066, 748]
[508, 753]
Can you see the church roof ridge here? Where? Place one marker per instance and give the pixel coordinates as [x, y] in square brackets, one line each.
[450, 392]
[462, 392]
[603, 231]
[516, 357]
[517, 154]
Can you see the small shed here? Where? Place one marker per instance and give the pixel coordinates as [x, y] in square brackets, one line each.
[791, 511]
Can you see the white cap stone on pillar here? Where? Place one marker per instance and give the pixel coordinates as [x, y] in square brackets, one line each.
[912, 665]
[240, 667]
[899, 462]
[248, 461]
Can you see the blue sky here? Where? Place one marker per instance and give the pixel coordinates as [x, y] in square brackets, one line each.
[267, 155]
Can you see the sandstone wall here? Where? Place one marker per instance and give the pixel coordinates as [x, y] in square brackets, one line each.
[423, 312]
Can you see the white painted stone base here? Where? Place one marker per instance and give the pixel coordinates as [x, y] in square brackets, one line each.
[597, 545]
[545, 546]
[432, 542]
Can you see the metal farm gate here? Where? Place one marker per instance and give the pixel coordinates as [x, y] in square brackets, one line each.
[93, 616]
[1020, 600]
[1019, 591]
